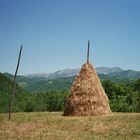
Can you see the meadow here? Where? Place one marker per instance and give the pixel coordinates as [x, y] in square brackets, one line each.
[54, 126]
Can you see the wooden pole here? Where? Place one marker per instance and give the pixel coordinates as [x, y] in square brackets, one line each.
[14, 84]
[88, 51]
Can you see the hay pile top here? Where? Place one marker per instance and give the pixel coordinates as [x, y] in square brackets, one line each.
[87, 96]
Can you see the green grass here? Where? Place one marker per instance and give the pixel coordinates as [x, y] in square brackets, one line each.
[53, 126]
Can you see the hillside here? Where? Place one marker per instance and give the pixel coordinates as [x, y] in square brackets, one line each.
[53, 126]
[51, 85]
[62, 80]
[21, 98]
[28, 102]
[50, 95]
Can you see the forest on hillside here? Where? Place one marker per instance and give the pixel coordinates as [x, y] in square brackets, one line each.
[123, 97]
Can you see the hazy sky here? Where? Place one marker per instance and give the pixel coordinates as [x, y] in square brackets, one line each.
[54, 34]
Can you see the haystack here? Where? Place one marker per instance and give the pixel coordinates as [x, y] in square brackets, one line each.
[87, 96]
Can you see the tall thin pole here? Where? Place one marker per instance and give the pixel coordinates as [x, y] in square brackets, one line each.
[88, 51]
[14, 86]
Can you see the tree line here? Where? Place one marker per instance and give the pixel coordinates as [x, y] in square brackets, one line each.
[123, 97]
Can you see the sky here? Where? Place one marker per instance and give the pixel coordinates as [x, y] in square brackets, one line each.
[54, 34]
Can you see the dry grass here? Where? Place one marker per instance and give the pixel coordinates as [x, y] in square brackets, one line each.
[53, 126]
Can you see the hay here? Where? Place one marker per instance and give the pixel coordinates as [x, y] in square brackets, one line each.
[87, 96]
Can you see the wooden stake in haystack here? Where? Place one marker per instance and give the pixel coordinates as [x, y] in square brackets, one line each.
[87, 96]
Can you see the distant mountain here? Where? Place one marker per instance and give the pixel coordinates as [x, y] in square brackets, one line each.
[37, 75]
[127, 74]
[62, 80]
[71, 72]
[55, 75]
[64, 73]
[105, 70]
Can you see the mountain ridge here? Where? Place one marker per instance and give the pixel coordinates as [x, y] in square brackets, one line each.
[63, 79]
[72, 72]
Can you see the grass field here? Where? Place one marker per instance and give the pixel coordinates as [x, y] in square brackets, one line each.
[53, 126]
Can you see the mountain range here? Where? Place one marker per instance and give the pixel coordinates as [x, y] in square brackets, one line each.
[72, 72]
[62, 80]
